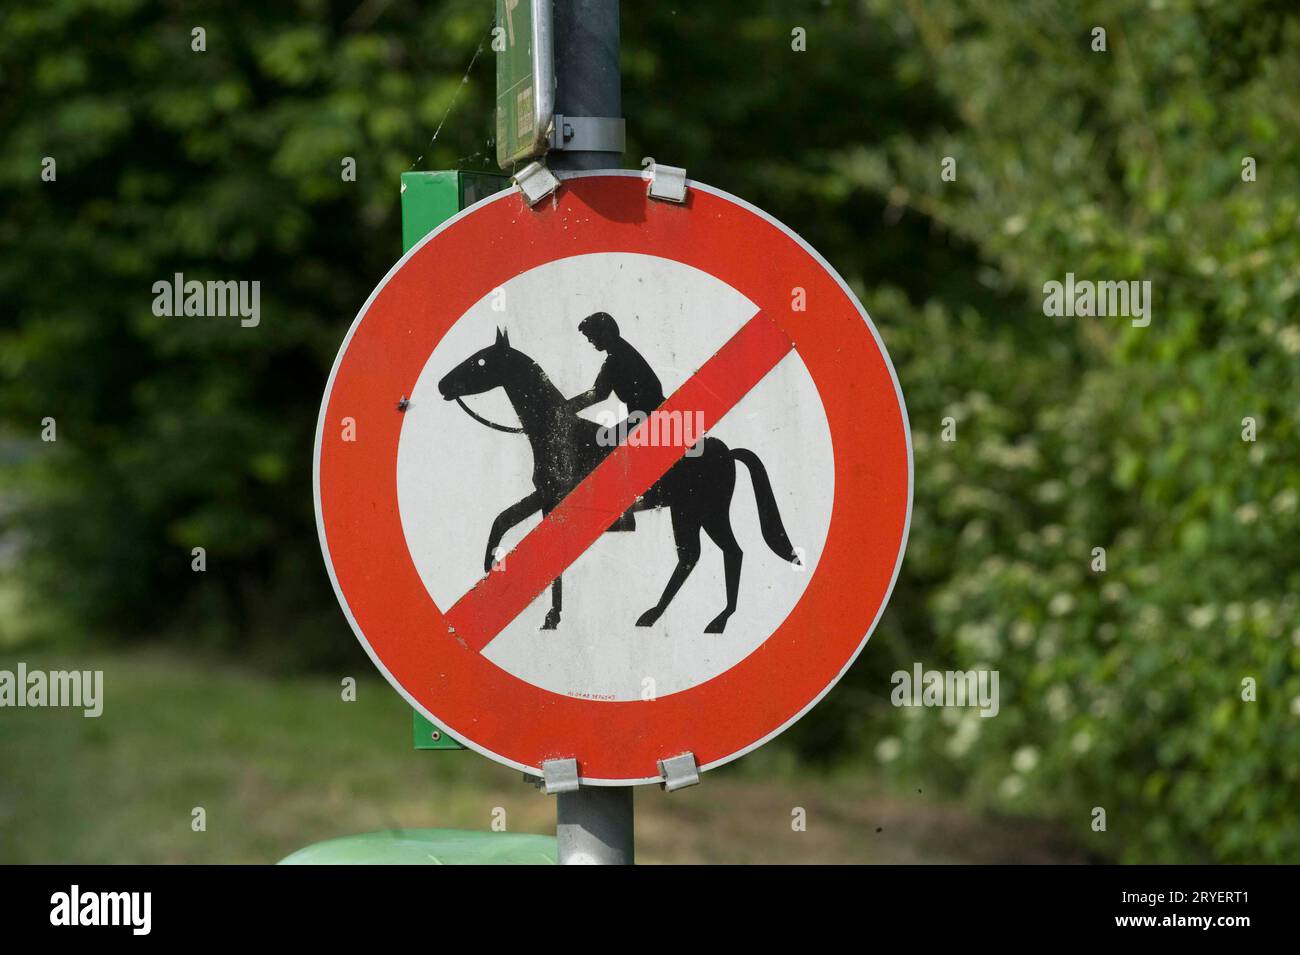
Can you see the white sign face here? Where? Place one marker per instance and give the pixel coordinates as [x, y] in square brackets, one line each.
[455, 475]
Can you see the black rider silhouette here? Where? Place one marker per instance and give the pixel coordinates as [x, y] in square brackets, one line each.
[625, 373]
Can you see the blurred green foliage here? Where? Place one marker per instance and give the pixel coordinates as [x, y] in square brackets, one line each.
[1120, 689]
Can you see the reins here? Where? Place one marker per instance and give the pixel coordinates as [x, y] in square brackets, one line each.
[491, 424]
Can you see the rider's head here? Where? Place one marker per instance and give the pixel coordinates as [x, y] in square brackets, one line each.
[600, 328]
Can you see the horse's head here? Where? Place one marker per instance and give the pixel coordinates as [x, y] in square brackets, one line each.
[480, 372]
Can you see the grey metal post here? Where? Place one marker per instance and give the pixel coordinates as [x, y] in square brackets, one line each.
[593, 826]
[586, 42]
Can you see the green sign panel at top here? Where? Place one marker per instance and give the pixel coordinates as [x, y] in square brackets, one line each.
[525, 79]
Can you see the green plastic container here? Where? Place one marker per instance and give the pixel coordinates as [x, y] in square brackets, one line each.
[429, 847]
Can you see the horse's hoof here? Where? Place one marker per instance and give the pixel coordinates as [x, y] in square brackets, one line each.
[718, 623]
[552, 621]
[649, 618]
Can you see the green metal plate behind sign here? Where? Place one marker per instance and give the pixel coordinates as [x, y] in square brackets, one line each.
[428, 200]
[525, 79]
[427, 735]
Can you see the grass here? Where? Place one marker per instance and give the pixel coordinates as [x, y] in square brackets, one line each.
[278, 764]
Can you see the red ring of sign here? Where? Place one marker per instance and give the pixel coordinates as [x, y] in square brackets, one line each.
[494, 712]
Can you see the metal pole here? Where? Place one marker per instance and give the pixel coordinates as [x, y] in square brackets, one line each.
[586, 74]
[594, 826]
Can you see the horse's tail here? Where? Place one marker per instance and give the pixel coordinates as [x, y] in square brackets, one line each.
[769, 516]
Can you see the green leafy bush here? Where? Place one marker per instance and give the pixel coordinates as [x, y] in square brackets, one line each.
[1121, 689]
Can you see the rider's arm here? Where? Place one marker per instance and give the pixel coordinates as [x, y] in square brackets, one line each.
[598, 392]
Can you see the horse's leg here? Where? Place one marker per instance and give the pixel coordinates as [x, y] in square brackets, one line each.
[557, 602]
[718, 526]
[507, 519]
[686, 533]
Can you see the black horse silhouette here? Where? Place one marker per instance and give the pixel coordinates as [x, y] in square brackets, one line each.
[697, 490]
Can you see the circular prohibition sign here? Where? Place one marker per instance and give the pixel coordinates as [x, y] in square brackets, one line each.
[436, 652]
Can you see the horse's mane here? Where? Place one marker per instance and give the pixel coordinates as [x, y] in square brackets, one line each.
[542, 395]
[537, 376]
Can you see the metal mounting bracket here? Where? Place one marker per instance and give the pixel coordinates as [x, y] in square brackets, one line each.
[667, 183]
[597, 134]
[560, 776]
[679, 772]
[536, 182]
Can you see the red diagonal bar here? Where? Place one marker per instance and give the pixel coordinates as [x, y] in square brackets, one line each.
[612, 487]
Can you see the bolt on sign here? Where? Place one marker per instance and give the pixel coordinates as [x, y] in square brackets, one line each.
[625, 479]
[523, 43]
